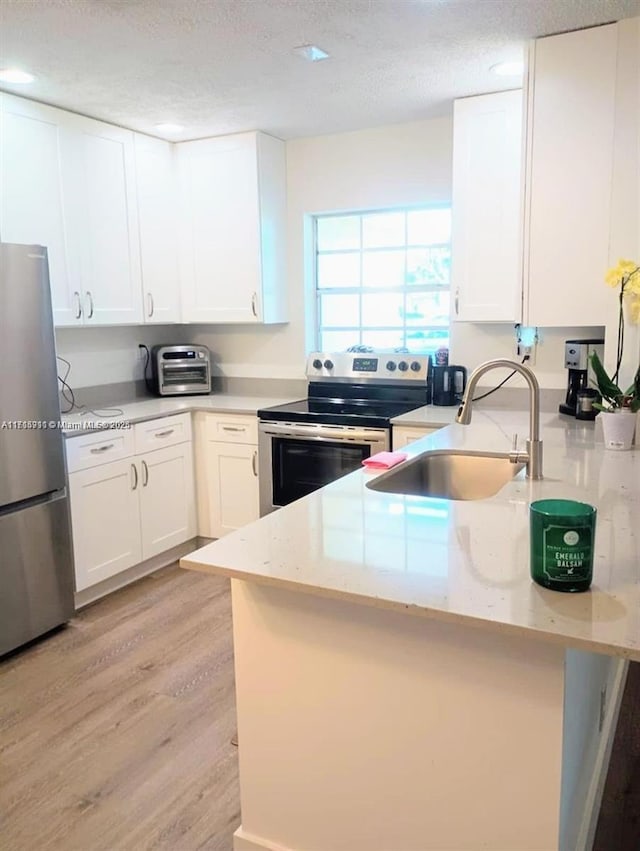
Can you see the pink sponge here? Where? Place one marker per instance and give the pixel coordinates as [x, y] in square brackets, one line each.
[384, 460]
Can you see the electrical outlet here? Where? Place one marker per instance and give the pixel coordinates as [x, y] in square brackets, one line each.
[526, 344]
[528, 351]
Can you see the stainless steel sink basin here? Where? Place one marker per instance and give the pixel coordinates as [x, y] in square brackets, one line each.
[449, 474]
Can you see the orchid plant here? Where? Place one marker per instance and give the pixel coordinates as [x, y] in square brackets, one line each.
[626, 275]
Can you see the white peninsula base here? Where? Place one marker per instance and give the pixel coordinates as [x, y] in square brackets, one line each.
[365, 729]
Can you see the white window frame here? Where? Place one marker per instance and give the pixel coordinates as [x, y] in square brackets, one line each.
[405, 289]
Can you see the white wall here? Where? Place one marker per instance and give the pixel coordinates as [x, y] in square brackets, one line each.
[387, 166]
[110, 355]
[625, 198]
[383, 167]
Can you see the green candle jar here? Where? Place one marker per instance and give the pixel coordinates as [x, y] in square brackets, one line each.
[562, 536]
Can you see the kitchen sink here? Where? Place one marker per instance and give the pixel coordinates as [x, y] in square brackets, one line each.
[449, 474]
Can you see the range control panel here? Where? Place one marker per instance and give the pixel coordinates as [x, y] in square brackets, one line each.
[356, 366]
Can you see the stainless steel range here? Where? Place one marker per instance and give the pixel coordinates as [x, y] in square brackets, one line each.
[352, 397]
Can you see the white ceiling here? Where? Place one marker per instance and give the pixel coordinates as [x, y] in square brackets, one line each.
[221, 66]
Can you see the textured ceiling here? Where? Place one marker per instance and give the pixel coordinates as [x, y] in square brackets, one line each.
[221, 66]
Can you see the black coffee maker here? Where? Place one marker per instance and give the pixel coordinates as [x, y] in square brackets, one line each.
[580, 395]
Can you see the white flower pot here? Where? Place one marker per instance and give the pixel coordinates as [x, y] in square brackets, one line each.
[618, 428]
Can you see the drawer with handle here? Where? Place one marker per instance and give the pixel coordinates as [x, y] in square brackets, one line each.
[101, 447]
[232, 429]
[167, 431]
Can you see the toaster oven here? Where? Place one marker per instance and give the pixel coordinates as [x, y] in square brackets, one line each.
[180, 370]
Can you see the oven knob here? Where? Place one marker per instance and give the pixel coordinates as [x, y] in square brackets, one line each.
[416, 366]
[391, 365]
[403, 366]
[317, 364]
[328, 364]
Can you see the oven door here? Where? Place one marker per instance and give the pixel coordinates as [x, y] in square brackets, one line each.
[296, 458]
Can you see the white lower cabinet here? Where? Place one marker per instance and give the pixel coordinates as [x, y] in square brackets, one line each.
[403, 435]
[128, 510]
[106, 521]
[227, 472]
[233, 497]
[167, 508]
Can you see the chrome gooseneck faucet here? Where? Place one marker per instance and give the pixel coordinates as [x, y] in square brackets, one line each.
[533, 455]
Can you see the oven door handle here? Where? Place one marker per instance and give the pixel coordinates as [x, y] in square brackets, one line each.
[339, 435]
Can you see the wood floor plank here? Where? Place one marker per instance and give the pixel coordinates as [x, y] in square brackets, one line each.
[115, 732]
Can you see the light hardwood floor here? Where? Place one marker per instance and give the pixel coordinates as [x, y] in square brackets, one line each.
[115, 731]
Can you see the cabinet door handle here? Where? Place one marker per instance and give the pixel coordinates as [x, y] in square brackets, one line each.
[134, 470]
[457, 302]
[90, 299]
[145, 474]
[76, 295]
[254, 465]
[150, 305]
[254, 304]
[96, 450]
[165, 433]
[232, 428]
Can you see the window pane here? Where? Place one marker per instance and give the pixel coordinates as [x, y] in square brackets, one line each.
[338, 341]
[381, 230]
[426, 227]
[340, 310]
[428, 309]
[383, 268]
[396, 255]
[429, 266]
[339, 270]
[427, 341]
[336, 232]
[382, 339]
[383, 310]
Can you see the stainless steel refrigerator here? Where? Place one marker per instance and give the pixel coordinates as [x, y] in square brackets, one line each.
[36, 568]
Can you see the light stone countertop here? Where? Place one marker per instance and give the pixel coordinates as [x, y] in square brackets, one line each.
[461, 561]
[149, 409]
[428, 416]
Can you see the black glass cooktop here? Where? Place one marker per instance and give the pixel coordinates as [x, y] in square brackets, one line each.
[375, 413]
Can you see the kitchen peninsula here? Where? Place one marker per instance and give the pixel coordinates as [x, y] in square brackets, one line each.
[402, 684]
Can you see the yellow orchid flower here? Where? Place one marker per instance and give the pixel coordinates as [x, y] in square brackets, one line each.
[611, 278]
[632, 286]
[634, 309]
[623, 271]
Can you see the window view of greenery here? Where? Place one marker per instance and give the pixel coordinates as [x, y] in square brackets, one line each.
[383, 278]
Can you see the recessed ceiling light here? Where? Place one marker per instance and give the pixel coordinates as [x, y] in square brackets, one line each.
[508, 69]
[15, 75]
[169, 128]
[311, 52]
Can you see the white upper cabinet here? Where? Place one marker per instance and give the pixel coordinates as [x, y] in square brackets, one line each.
[486, 210]
[101, 179]
[33, 146]
[569, 177]
[232, 226]
[68, 183]
[157, 218]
